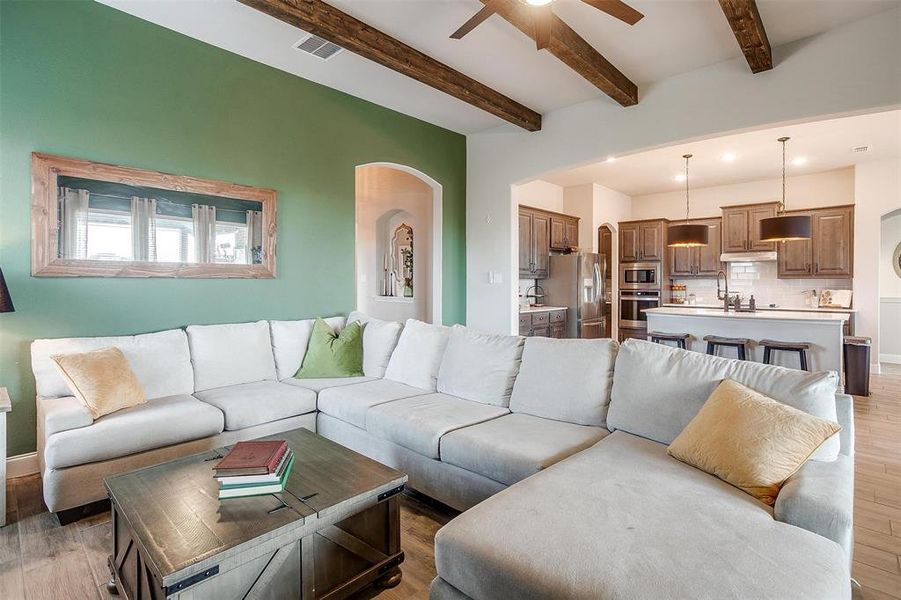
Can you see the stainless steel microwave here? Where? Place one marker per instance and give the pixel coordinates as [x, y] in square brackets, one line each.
[640, 276]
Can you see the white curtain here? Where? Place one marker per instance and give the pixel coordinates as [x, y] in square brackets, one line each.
[143, 229]
[73, 223]
[204, 232]
[254, 234]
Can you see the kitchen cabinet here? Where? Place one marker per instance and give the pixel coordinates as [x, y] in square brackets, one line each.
[741, 227]
[829, 253]
[637, 334]
[699, 261]
[551, 323]
[564, 231]
[534, 243]
[642, 240]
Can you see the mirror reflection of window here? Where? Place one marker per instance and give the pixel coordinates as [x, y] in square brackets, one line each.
[107, 221]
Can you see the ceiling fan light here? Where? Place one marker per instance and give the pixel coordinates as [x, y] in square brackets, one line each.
[688, 235]
[784, 228]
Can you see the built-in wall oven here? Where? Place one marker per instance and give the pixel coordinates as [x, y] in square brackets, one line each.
[640, 276]
[632, 304]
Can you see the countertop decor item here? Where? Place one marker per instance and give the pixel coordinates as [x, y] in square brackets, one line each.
[688, 234]
[783, 227]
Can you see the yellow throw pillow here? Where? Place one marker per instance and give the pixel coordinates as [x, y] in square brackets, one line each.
[750, 440]
[102, 380]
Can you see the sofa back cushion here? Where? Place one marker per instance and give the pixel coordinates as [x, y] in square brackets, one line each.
[290, 340]
[480, 366]
[161, 361]
[379, 340]
[417, 357]
[566, 380]
[230, 354]
[657, 390]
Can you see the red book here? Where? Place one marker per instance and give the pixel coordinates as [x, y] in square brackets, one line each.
[252, 458]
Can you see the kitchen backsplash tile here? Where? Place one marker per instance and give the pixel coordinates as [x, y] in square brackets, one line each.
[760, 279]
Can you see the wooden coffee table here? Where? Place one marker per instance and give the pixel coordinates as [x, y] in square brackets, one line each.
[334, 531]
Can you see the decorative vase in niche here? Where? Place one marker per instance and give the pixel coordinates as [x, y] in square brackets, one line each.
[408, 288]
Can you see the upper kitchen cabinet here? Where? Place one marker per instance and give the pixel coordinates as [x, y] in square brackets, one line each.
[564, 231]
[829, 253]
[642, 240]
[698, 261]
[534, 243]
[741, 227]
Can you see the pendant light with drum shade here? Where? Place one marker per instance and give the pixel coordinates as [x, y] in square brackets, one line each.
[687, 235]
[783, 227]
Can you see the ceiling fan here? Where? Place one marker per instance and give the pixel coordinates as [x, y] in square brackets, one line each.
[542, 15]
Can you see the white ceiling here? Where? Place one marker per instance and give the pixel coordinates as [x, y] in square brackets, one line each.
[674, 37]
[822, 145]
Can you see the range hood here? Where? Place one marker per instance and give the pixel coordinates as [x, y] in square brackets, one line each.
[747, 256]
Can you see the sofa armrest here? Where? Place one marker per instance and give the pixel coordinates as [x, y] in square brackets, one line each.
[62, 414]
[844, 408]
[820, 498]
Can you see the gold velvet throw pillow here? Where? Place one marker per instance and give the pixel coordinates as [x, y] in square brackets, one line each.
[750, 440]
[102, 380]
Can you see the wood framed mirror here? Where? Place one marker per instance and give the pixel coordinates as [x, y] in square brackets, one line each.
[92, 219]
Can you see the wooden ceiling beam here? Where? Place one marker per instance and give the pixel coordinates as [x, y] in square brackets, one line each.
[329, 23]
[575, 52]
[746, 24]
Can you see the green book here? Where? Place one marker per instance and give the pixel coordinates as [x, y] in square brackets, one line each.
[254, 489]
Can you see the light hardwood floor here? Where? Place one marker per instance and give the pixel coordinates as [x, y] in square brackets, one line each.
[41, 560]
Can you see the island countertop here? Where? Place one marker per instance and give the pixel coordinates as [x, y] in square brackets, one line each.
[719, 306]
[769, 315]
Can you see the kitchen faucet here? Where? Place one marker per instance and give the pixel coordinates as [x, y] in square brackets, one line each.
[720, 294]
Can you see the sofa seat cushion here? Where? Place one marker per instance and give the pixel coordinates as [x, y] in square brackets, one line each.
[515, 446]
[418, 423]
[250, 404]
[154, 424]
[350, 403]
[623, 519]
[675, 384]
[321, 383]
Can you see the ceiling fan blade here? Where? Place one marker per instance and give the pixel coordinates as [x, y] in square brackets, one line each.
[486, 11]
[618, 9]
[542, 17]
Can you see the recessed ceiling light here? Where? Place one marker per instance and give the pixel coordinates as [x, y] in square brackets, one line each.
[680, 177]
[729, 157]
[611, 159]
[859, 149]
[538, 2]
[799, 161]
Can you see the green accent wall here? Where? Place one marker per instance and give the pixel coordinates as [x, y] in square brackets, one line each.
[84, 80]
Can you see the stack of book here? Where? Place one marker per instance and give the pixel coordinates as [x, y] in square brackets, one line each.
[254, 468]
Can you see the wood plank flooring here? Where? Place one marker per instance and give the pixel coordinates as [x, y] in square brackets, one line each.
[41, 560]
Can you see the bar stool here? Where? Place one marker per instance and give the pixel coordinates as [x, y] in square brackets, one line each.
[659, 337]
[799, 347]
[740, 344]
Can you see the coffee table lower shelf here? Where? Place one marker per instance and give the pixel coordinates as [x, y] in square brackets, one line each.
[331, 562]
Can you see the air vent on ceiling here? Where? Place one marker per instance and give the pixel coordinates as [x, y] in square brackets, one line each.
[859, 149]
[318, 47]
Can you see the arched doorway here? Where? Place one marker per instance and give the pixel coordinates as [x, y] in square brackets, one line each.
[398, 243]
[605, 249]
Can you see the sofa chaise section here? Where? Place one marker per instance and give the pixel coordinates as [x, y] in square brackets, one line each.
[623, 519]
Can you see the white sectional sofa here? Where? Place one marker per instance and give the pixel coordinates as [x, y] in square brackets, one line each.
[555, 450]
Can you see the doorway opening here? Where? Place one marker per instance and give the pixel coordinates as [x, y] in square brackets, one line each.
[398, 243]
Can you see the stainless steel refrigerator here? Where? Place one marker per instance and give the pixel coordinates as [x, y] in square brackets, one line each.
[578, 282]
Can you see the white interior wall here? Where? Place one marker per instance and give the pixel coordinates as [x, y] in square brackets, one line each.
[720, 98]
[538, 194]
[392, 196]
[889, 291]
[830, 188]
[877, 190]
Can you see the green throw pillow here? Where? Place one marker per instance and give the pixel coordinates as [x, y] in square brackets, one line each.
[331, 354]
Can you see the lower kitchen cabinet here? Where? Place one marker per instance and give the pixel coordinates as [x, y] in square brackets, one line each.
[550, 323]
[637, 334]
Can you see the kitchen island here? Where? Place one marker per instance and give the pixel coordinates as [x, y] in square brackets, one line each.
[822, 330]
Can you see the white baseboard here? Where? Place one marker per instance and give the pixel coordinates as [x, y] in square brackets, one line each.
[21, 465]
[895, 359]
